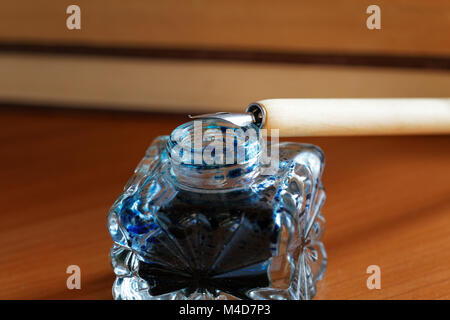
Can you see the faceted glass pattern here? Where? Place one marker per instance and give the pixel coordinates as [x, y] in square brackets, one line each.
[253, 237]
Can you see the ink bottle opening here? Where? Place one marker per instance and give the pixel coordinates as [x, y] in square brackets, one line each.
[202, 219]
[214, 154]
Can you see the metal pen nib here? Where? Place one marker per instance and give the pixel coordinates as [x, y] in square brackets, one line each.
[255, 114]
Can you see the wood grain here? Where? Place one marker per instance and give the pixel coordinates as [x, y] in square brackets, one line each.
[388, 204]
[409, 27]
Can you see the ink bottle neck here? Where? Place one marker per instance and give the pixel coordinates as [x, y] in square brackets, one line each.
[214, 154]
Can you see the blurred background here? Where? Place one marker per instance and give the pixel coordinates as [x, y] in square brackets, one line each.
[201, 55]
[78, 109]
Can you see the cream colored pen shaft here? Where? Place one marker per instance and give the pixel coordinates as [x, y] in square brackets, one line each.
[342, 117]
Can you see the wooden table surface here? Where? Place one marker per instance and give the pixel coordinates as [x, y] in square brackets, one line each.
[388, 204]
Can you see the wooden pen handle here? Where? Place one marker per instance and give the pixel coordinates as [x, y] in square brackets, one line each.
[340, 117]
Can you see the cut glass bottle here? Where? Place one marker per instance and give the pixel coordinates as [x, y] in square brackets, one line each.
[196, 230]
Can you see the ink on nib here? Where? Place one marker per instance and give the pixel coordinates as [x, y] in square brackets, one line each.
[210, 218]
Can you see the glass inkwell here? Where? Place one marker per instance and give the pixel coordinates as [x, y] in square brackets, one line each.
[208, 215]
